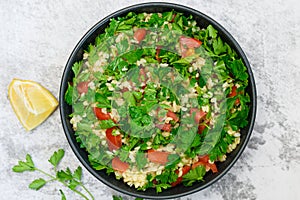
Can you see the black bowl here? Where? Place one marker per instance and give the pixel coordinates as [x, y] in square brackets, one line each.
[66, 110]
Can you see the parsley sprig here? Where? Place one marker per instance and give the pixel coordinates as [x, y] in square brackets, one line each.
[66, 177]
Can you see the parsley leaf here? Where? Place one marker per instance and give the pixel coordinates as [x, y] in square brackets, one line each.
[37, 184]
[117, 197]
[69, 94]
[238, 70]
[161, 186]
[56, 157]
[76, 68]
[24, 166]
[105, 124]
[219, 46]
[141, 160]
[194, 175]
[211, 31]
[63, 197]
[65, 177]
[173, 160]
[78, 173]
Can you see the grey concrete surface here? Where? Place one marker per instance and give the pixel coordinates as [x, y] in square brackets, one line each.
[37, 37]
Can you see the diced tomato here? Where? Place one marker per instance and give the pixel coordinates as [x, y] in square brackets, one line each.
[233, 91]
[198, 164]
[188, 52]
[83, 87]
[187, 45]
[201, 128]
[140, 34]
[119, 165]
[190, 42]
[114, 142]
[173, 18]
[178, 181]
[158, 48]
[199, 114]
[213, 168]
[185, 170]
[203, 160]
[172, 115]
[159, 157]
[233, 94]
[164, 127]
[100, 115]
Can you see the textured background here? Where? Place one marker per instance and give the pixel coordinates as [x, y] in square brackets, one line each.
[36, 38]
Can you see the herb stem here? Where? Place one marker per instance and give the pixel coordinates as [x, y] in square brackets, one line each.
[85, 197]
[45, 173]
[87, 191]
[76, 191]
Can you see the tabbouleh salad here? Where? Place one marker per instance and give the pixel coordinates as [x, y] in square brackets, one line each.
[158, 100]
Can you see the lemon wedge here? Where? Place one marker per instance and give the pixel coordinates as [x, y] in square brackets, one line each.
[31, 102]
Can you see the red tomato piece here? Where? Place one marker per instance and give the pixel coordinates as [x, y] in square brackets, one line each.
[213, 168]
[100, 115]
[173, 17]
[198, 164]
[178, 181]
[199, 114]
[201, 128]
[203, 160]
[164, 127]
[172, 115]
[114, 142]
[158, 48]
[185, 170]
[140, 34]
[190, 42]
[83, 87]
[233, 91]
[233, 94]
[119, 165]
[159, 157]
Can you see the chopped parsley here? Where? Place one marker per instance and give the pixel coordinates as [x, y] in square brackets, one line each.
[158, 100]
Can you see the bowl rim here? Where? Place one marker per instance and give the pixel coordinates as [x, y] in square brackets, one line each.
[174, 6]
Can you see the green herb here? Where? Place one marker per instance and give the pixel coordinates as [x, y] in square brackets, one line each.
[56, 157]
[105, 124]
[24, 165]
[121, 198]
[63, 197]
[194, 175]
[146, 95]
[173, 160]
[238, 70]
[76, 68]
[66, 177]
[141, 160]
[37, 184]
[69, 94]
[117, 197]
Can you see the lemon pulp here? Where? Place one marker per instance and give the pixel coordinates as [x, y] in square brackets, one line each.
[31, 102]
